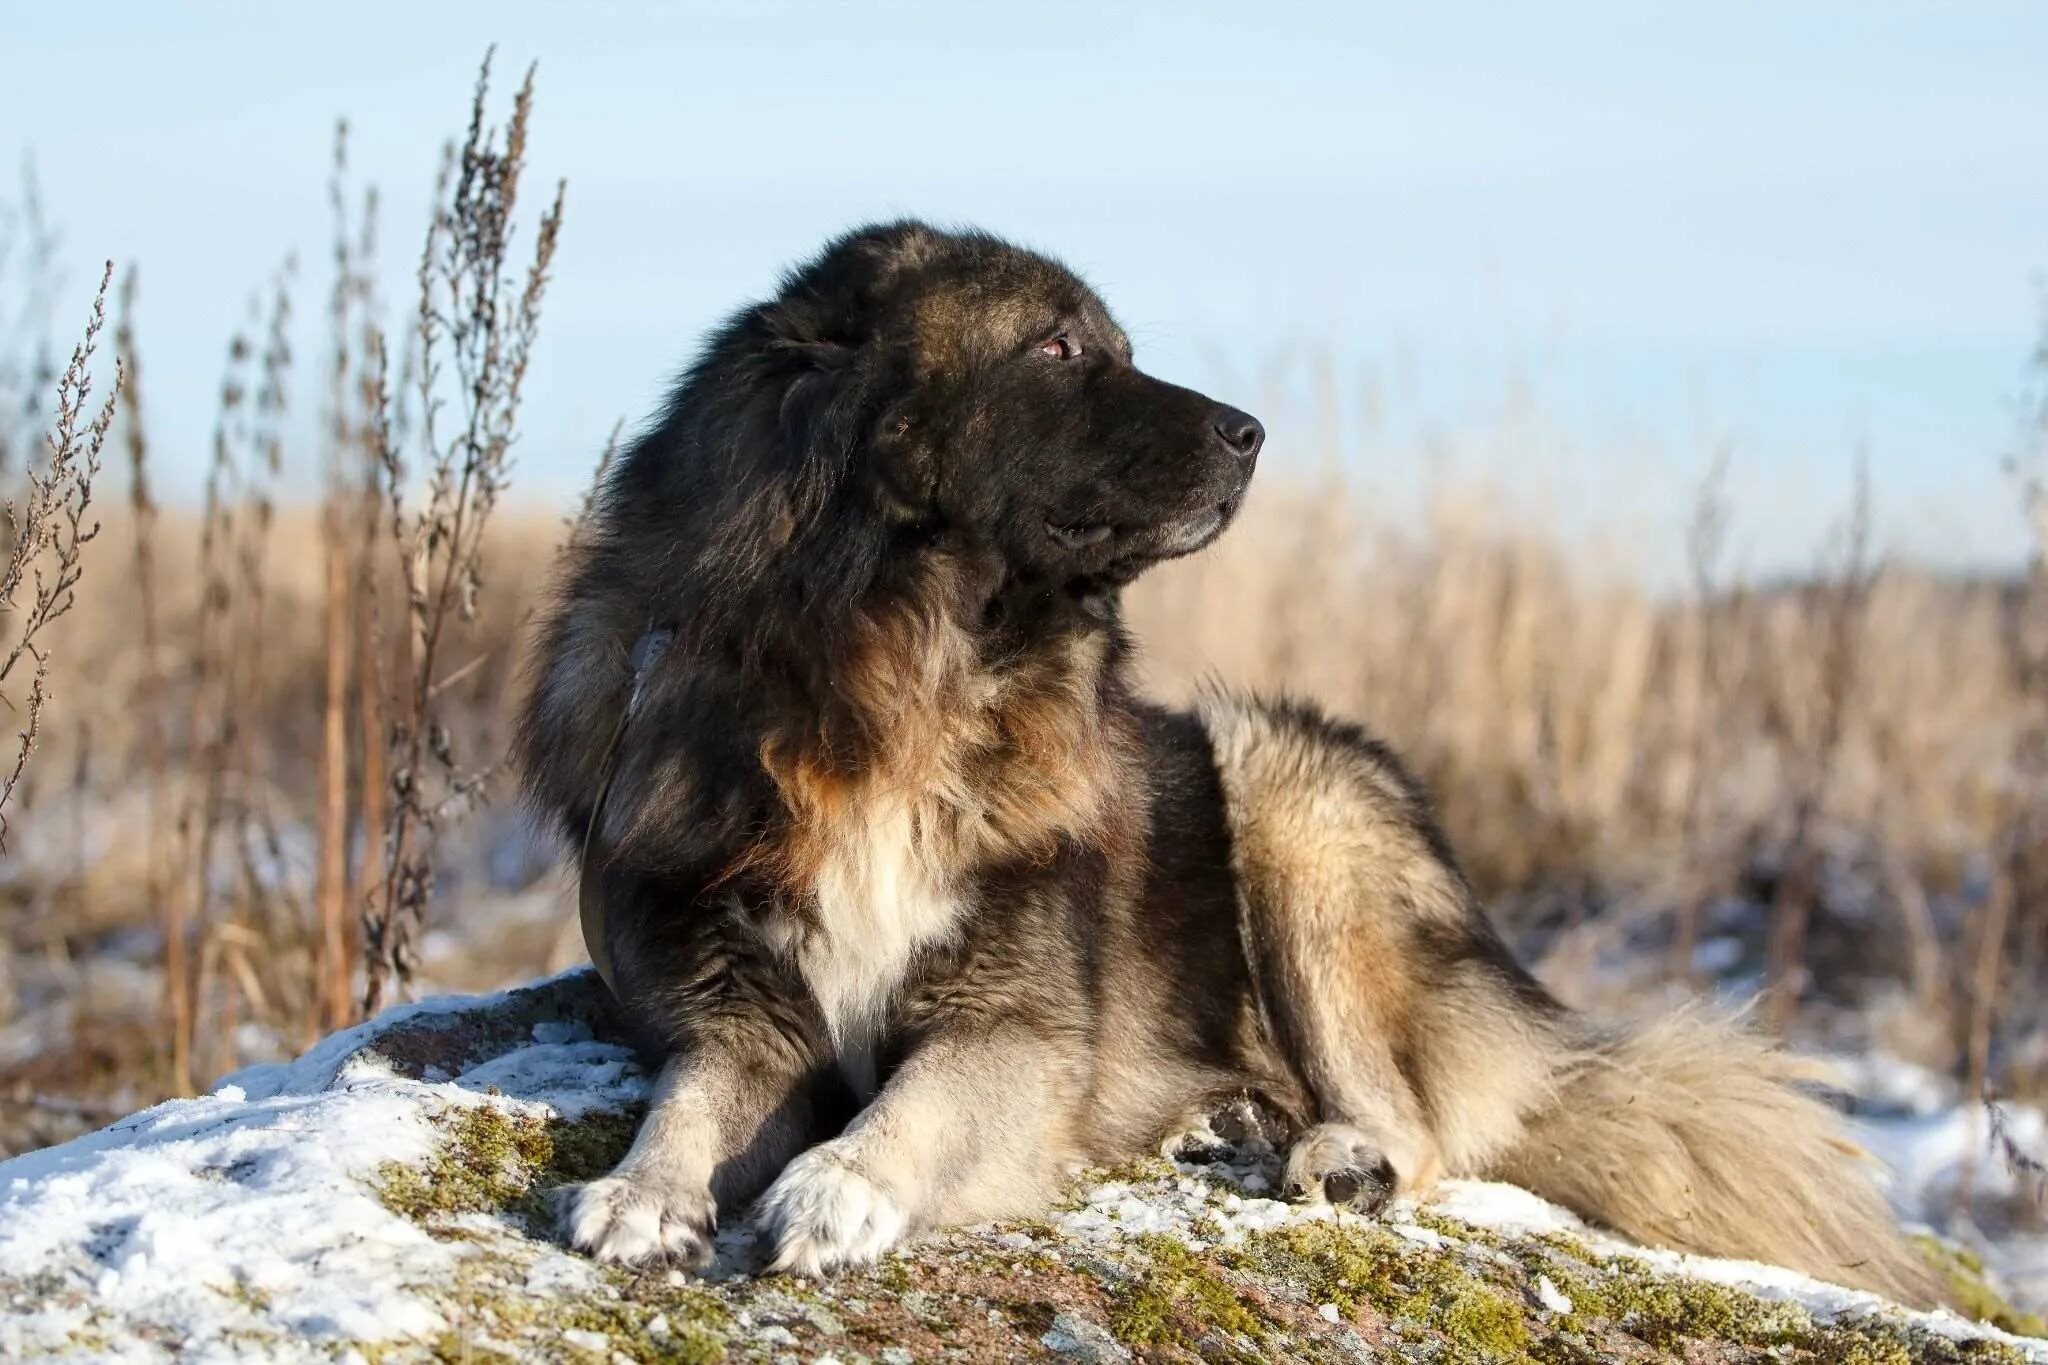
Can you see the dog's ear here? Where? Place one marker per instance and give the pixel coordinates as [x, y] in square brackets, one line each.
[817, 354]
[823, 388]
[816, 372]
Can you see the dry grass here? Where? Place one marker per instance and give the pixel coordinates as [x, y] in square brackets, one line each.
[1839, 779]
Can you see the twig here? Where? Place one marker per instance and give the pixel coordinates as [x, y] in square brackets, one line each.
[48, 531]
[476, 328]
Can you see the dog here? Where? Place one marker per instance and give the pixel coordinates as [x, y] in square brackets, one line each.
[924, 907]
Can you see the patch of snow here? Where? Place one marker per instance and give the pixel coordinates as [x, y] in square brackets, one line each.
[1931, 1158]
[1421, 1236]
[1717, 956]
[197, 1220]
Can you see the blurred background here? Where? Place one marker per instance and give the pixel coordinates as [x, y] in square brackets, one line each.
[1656, 399]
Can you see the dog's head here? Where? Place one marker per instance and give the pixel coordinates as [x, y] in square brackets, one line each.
[951, 389]
[1013, 409]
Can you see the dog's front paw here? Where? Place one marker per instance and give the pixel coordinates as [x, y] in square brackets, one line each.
[639, 1219]
[1340, 1164]
[822, 1214]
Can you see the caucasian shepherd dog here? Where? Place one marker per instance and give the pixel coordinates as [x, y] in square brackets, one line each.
[924, 907]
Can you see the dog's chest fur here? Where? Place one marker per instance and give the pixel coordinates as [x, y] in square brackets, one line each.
[881, 898]
[970, 769]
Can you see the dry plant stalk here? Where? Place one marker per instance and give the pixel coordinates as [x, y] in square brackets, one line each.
[1845, 593]
[2015, 895]
[366, 876]
[260, 919]
[1706, 537]
[2029, 1171]
[206, 732]
[150, 695]
[223, 800]
[48, 529]
[344, 545]
[476, 327]
[27, 359]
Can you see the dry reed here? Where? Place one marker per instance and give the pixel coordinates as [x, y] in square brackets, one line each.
[47, 530]
[476, 327]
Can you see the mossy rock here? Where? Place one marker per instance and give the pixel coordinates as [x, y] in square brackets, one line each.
[501, 1103]
[1320, 1289]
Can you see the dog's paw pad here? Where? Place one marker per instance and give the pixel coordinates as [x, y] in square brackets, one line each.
[1337, 1164]
[1196, 1146]
[638, 1220]
[822, 1215]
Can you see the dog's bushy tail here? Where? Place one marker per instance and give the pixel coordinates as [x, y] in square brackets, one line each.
[1694, 1132]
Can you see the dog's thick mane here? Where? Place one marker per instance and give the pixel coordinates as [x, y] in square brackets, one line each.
[839, 641]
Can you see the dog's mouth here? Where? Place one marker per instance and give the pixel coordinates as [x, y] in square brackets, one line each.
[1189, 534]
[1133, 547]
[1110, 556]
[1085, 536]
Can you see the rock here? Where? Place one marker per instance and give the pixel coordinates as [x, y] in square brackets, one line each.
[1079, 1339]
[387, 1198]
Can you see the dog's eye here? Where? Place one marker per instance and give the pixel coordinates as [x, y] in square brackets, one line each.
[1061, 347]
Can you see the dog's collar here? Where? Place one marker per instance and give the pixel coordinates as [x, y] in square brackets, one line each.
[646, 652]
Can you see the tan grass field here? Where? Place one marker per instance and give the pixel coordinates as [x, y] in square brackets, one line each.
[267, 783]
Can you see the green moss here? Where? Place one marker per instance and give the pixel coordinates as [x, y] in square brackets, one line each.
[1664, 1310]
[1142, 1171]
[893, 1273]
[1481, 1319]
[1668, 1312]
[1420, 1290]
[492, 1161]
[1458, 1232]
[1469, 1301]
[1457, 1302]
[487, 1158]
[1875, 1341]
[1330, 1264]
[488, 1299]
[1176, 1298]
[1972, 1293]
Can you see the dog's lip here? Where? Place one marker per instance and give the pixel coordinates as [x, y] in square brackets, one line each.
[1079, 535]
[1168, 539]
[1191, 533]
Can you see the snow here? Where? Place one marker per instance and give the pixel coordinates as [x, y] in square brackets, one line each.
[195, 1219]
[1939, 1147]
[184, 1228]
[1551, 1297]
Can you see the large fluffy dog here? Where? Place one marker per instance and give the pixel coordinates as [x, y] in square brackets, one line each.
[924, 907]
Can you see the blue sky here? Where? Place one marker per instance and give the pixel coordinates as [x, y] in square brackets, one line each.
[1576, 250]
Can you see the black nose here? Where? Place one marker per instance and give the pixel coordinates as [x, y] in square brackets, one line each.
[1240, 431]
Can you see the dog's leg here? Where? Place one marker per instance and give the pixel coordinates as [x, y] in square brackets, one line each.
[728, 1111]
[973, 1125]
[1341, 1019]
[1425, 1045]
[1329, 871]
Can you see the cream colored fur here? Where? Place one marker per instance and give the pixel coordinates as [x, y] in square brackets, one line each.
[1392, 996]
